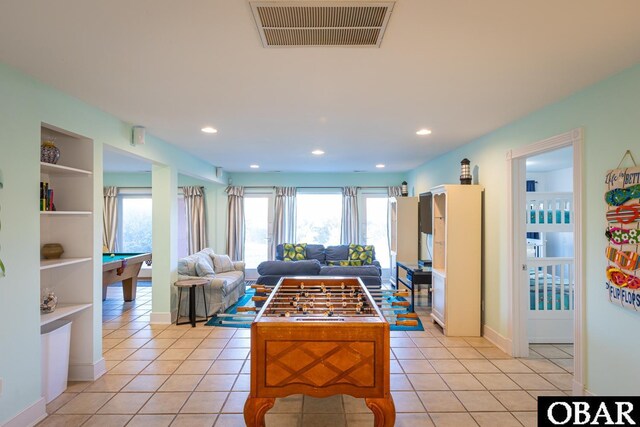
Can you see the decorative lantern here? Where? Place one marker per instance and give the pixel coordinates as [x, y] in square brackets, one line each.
[404, 190]
[465, 172]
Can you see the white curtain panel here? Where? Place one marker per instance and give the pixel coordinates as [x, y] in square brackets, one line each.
[284, 218]
[235, 222]
[110, 218]
[196, 219]
[350, 220]
[394, 191]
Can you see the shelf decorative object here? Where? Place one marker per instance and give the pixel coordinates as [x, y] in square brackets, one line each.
[465, 172]
[49, 153]
[404, 189]
[49, 302]
[52, 250]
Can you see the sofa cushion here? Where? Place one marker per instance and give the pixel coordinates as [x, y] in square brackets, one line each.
[337, 252]
[222, 263]
[295, 251]
[232, 279]
[204, 268]
[362, 253]
[187, 266]
[365, 270]
[345, 262]
[309, 267]
[316, 252]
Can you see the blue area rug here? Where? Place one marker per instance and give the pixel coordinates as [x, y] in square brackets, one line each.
[243, 320]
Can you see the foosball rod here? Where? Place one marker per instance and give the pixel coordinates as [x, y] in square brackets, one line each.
[248, 316]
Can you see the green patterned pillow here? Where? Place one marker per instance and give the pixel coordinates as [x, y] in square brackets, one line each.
[361, 253]
[294, 251]
[345, 262]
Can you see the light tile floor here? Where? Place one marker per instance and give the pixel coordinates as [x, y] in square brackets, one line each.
[161, 375]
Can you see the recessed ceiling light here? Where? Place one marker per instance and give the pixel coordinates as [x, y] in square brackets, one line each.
[424, 132]
[379, 165]
[209, 129]
[254, 166]
[317, 152]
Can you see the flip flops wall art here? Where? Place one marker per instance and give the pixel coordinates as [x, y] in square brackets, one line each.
[622, 198]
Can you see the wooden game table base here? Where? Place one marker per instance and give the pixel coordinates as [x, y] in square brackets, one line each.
[383, 409]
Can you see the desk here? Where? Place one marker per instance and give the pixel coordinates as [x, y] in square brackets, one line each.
[122, 267]
[416, 275]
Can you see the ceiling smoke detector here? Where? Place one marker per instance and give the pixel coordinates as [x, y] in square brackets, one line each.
[321, 23]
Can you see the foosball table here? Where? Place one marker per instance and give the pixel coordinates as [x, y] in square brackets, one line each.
[320, 337]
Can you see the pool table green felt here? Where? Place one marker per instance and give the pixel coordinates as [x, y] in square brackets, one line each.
[122, 267]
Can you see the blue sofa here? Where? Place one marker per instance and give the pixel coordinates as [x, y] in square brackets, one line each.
[315, 264]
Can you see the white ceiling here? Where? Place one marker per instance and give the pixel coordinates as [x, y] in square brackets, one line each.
[551, 160]
[460, 67]
[118, 161]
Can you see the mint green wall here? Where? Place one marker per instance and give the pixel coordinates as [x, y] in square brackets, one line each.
[24, 105]
[609, 113]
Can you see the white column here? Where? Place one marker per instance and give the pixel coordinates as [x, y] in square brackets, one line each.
[164, 181]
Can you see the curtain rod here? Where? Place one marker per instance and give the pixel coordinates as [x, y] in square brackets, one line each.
[324, 186]
[148, 188]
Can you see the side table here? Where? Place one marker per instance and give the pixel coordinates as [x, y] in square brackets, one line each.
[192, 285]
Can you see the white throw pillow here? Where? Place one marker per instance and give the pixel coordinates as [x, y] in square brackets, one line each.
[204, 269]
[222, 263]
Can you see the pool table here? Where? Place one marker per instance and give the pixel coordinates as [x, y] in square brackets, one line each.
[122, 267]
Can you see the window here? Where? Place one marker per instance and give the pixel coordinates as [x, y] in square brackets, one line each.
[134, 223]
[257, 218]
[318, 218]
[374, 225]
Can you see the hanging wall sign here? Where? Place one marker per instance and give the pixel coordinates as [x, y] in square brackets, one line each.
[622, 198]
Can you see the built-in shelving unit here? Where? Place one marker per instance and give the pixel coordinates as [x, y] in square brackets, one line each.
[59, 170]
[457, 252]
[62, 311]
[71, 224]
[66, 213]
[61, 262]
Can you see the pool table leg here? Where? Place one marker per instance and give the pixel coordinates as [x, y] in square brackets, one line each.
[129, 288]
[384, 411]
[255, 409]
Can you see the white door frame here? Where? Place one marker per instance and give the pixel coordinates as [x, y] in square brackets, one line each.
[517, 299]
[252, 273]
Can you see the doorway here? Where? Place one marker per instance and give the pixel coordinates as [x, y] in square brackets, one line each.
[545, 253]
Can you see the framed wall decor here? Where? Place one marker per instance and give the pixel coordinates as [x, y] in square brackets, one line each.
[622, 198]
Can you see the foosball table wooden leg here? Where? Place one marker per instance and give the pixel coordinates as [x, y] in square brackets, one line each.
[384, 411]
[255, 409]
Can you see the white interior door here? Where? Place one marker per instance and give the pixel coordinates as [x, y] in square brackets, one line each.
[258, 222]
[374, 227]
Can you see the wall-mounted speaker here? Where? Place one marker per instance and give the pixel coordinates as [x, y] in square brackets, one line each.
[218, 172]
[138, 135]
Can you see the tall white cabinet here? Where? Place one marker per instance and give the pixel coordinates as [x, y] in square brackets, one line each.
[403, 231]
[71, 224]
[457, 250]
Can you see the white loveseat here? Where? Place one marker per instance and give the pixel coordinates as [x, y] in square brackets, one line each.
[225, 288]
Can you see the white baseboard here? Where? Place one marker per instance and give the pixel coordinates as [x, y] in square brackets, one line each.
[87, 371]
[160, 318]
[30, 416]
[496, 339]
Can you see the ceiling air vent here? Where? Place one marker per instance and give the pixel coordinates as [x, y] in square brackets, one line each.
[324, 23]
